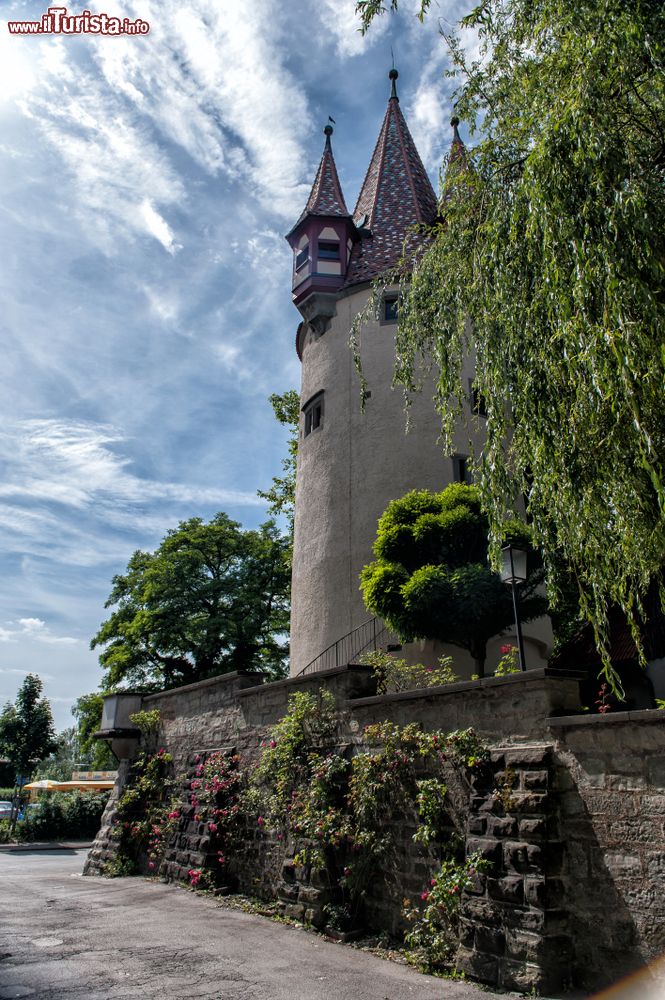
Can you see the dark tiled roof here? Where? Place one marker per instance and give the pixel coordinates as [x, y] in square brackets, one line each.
[326, 196]
[396, 195]
[580, 651]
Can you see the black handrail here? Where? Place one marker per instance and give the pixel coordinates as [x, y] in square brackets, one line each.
[361, 639]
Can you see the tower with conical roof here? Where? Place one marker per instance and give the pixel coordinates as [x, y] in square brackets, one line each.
[351, 464]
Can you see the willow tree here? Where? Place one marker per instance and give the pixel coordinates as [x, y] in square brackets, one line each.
[548, 262]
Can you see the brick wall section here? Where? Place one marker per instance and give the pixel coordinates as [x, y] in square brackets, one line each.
[611, 780]
[577, 834]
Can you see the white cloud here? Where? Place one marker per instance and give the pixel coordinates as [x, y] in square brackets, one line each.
[74, 464]
[158, 227]
[232, 105]
[32, 630]
[340, 19]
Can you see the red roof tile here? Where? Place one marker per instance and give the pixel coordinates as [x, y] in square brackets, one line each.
[396, 195]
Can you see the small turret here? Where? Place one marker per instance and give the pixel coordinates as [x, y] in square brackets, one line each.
[321, 241]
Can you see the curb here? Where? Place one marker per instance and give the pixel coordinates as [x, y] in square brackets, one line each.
[50, 845]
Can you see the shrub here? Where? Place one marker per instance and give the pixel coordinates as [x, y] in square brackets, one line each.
[59, 815]
[393, 674]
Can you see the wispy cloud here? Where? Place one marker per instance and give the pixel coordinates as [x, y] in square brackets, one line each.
[341, 21]
[77, 464]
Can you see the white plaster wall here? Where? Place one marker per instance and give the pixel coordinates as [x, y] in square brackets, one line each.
[348, 471]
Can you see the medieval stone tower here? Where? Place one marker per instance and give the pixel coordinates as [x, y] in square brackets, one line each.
[352, 463]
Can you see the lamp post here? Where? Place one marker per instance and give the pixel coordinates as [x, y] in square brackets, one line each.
[513, 570]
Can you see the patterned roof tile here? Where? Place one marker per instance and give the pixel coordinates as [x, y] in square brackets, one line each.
[396, 195]
[326, 196]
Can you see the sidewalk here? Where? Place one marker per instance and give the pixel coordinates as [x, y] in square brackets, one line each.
[47, 845]
[75, 938]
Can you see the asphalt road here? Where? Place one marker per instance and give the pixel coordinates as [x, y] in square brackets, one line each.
[65, 937]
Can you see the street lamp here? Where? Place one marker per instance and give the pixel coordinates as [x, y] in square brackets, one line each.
[513, 570]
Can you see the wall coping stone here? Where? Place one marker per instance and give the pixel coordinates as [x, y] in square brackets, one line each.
[357, 668]
[234, 675]
[528, 677]
[607, 719]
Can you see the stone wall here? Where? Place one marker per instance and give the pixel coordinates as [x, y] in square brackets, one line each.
[611, 792]
[572, 817]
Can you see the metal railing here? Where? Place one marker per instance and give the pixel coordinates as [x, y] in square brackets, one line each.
[362, 639]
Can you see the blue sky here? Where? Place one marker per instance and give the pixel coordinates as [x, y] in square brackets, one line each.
[145, 187]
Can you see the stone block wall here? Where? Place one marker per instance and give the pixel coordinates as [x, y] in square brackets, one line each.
[572, 817]
[611, 801]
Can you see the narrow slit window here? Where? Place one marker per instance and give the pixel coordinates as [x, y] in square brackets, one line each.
[302, 257]
[313, 413]
[461, 471]
[477, 400]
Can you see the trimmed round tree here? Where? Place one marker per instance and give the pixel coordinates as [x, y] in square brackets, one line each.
[431, 578]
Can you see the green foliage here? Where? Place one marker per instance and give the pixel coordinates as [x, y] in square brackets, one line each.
[147, 722]
[64, 758]
[144, 814]
[215, 796]
[433, 938]
[394, 674]
[338, 815]
[291, 784]
[26, 727]
[369, 9]
[432, 579]
[59, 816]
[509, 662]
[87, 711]
[549, 265]
[211, 599]
[282, 494]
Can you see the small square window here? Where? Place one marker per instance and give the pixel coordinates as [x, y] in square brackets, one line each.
[328, 251]
[461, 471]
[390, 304]
[313, 413]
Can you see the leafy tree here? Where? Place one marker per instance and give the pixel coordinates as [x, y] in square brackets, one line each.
[65, 757]
[212, 598]
[26, 727]
[432, 579]
[282, 494]
[87, 711]
[549, 262]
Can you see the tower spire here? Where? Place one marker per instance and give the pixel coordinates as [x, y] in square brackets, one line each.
[326, 196]
[321, 241]
[396, 196]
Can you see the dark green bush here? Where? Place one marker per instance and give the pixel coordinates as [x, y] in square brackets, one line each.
[58, 816]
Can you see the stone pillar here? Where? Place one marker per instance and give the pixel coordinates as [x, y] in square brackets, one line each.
[513, 926]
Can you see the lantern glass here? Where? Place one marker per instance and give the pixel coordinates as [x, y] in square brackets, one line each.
[513, 564]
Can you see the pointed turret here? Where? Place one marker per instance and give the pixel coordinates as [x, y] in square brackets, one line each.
[396, 195]
[321, 241]
[326, 196]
